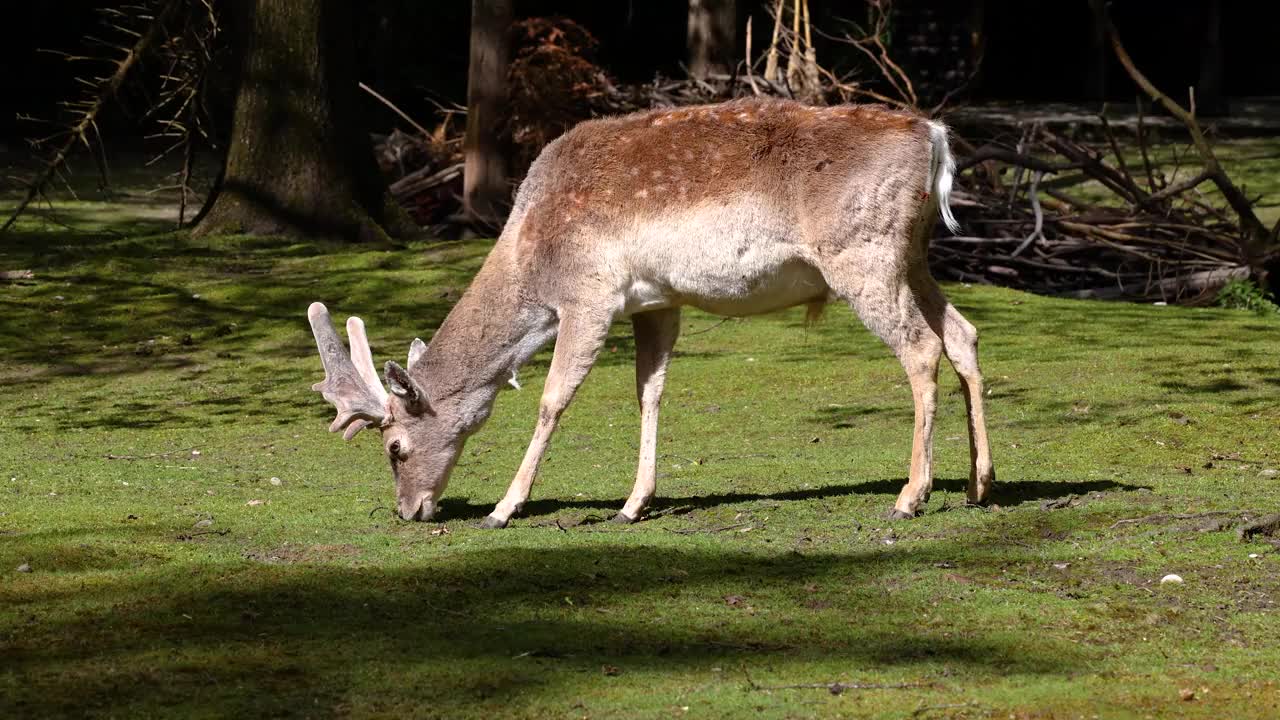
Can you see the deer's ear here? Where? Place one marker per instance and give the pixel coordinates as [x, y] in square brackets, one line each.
[406, 388]
[416, 350]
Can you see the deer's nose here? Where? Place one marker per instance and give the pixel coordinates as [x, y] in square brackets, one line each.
[419, 509]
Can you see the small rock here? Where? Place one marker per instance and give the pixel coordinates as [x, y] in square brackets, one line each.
[274, 481]
[1254, 556]
[195, 453]
[203, 523]
[24, 567]
[1171, 579]
[255, 503]
[1061, 566]
[1187, 694]
[1269, 472]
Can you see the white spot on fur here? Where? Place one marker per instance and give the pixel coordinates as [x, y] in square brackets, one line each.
[656, 174]
[642, 193]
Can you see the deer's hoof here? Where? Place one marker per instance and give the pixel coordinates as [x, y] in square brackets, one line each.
[491, 523]
[979, 492]
[896, 514]
[622, 519]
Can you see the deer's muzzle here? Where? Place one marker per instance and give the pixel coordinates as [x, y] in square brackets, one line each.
[417, 508]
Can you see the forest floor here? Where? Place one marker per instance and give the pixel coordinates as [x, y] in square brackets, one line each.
[180, 536]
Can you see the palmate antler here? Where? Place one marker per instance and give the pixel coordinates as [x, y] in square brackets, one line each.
[350, 383]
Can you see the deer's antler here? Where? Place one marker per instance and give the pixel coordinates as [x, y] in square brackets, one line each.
[350, 382]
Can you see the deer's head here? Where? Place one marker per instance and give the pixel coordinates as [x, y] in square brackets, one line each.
[421, 448]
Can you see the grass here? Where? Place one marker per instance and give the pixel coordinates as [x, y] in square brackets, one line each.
[199, 546]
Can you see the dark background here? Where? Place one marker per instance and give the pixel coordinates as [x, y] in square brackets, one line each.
[415, 51]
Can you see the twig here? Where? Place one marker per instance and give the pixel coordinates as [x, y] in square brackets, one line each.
[1038, 232]
[188, 536]
[837, 688]
[1166, 517]
[403, 115]
[923, 709]
[697, 531]
[723, 320]
[1268, 525]
[751, 78]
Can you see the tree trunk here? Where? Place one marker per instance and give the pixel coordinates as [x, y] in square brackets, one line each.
[298, 161]
[711, 37]
[1210, 99]
[1095, 75]
[486, 193]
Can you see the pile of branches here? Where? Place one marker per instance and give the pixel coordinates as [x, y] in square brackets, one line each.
[1052, 210]
[1058, 215]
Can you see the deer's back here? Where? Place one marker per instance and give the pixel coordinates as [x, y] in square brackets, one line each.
[735, 198]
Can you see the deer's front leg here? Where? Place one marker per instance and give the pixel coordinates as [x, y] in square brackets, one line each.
[578, 343]
[656, 334]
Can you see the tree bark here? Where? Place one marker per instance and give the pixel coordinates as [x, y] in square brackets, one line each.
[1210, 98]
[299, 161]
[1095, 75]
[485, 189]
[711, 37]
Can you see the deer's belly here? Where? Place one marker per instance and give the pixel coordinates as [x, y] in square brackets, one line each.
[791, 284]
[728, 289]
[738, 258]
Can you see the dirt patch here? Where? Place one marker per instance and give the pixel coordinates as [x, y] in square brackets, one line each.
[288, 554]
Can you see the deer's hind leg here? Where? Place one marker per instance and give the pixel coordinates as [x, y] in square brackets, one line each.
[656, 332]
[960, 340]
[892, 305]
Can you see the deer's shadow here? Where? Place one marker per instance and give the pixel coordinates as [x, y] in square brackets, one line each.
[1003, 493]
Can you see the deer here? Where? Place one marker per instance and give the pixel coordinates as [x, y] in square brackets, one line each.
[737, 209]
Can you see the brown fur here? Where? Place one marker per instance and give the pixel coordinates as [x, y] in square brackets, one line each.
[735, 208]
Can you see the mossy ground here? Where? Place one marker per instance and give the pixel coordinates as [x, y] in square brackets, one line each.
[154, 386]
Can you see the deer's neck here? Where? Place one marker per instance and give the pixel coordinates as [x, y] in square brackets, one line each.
[492, 331]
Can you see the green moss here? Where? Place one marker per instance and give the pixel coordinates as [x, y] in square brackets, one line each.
[157, 589]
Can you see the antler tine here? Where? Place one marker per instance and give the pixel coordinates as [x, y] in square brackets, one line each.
[362, 357]
[359, 404]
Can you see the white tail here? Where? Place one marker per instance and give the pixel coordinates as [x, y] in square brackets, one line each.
[942, 170]
[736, 209]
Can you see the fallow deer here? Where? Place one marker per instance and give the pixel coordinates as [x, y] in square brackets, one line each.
[736, 209]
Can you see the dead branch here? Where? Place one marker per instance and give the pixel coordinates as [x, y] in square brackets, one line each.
[1256, 237]
[839, 688]
[1167, 517]
[1269, 526]
[104, 91]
